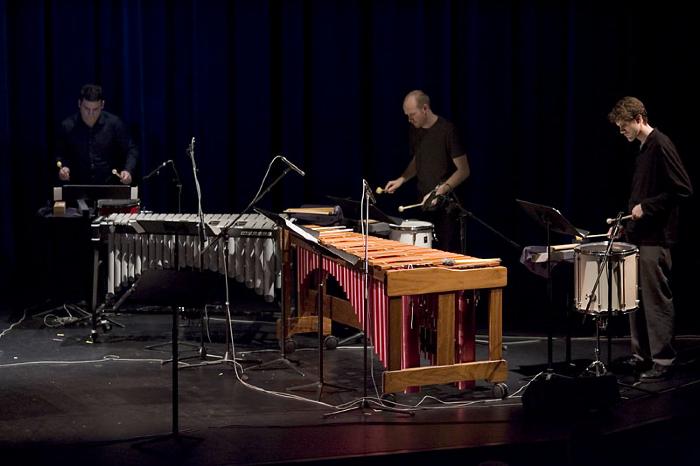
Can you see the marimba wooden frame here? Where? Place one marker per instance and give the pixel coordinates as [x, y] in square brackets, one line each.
[445, 282]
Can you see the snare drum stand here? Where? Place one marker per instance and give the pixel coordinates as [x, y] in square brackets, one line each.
[597, 367]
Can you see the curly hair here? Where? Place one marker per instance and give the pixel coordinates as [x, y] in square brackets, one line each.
[626, 109]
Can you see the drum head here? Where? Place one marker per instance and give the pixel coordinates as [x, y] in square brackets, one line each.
[598, 249]
[413, 225]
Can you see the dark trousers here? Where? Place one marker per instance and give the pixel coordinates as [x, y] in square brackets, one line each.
[652, 325]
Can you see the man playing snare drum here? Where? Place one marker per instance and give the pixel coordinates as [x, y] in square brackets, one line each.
[659, 184]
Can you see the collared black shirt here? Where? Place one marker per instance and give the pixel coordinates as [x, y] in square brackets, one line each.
[659, 184]
[92, 153]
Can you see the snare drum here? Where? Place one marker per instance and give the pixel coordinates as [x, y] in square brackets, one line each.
[623, 261]
[415, 232]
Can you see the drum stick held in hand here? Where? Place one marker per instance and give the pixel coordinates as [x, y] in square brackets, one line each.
[610, 221]
[405, 207]
[115, 172]
[381, 190]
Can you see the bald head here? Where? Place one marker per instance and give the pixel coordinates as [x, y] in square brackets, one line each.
[416, 106]
[417, 97]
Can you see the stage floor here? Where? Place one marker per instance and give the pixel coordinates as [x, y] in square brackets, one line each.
[65, 400]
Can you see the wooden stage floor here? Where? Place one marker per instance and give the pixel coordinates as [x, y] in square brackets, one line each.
[64, 400]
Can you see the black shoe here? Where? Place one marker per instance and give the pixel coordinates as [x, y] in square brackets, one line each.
[657, 372]
[630, 365]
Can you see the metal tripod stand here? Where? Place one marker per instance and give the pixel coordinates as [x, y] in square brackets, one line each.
[363, 403]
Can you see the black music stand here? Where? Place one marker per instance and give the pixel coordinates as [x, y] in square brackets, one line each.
[177, 228]
[552, 221]
[175, 288]
[86, 196]
[311, 239]
[351, 209]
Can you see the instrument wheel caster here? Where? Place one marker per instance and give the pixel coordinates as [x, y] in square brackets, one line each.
[500, 390]
[331, 342]
[289, 346]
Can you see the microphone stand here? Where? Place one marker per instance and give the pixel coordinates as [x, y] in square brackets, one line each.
[226, 358]
[463, 214]
[363, 403]
[176, 180]
[223, 235]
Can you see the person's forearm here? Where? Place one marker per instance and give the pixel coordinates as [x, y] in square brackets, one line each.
[459, 175]
[410, 170]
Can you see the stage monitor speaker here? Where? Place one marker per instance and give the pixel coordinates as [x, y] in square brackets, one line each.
[553, 394]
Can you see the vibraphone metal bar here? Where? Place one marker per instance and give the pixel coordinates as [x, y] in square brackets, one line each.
[399, 273]
[253, 256]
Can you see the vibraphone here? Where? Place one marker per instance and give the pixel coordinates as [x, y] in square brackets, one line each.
[253, 244]
[402, 276]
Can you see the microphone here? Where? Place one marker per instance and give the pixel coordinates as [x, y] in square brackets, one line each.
[368, 191]
[292, 166]
[156, 170]
[610, 221]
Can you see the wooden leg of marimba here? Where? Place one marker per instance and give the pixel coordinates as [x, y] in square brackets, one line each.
[395, 329]
[495, 324]
[446, 329]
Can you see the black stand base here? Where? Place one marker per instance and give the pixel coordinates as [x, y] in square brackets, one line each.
[283, 360]
[363, 404]
[170, 455]
[318, 387]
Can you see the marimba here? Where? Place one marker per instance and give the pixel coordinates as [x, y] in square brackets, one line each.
[403, 276]
[253, 245]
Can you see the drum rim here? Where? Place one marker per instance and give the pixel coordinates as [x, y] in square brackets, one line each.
[422, 226]
[628, 248]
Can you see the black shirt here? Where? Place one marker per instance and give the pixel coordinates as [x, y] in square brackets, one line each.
[659, 183]
[434, 148]
[92, 153]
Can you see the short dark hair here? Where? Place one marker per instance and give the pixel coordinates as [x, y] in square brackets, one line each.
[91, 93]
[626, 109]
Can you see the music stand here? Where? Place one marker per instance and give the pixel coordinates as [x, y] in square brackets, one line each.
[165, 227]
[175, 288]
[351, 209]
[82, 194]
[553, 221]
[311, 239]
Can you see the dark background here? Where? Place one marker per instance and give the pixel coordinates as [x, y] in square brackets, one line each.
[528, 84]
